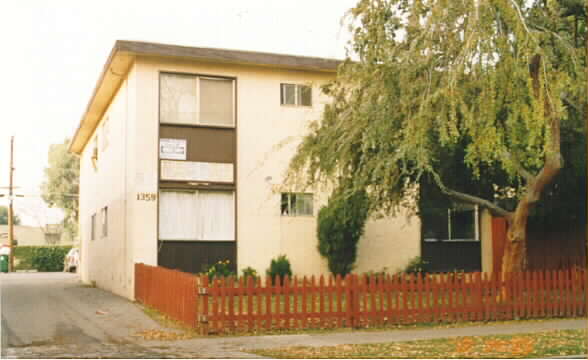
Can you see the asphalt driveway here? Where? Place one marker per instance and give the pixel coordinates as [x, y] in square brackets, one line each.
[56, 309]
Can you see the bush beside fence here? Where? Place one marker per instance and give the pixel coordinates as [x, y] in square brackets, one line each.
[229, 305]
[40, 258]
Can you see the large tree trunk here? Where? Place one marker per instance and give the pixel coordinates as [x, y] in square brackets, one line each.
[515, 249]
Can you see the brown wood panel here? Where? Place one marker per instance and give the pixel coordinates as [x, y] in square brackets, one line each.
[193, 256]
[207, 144]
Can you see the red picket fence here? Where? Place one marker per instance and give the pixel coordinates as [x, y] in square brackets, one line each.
[172, 292]
[229, 305]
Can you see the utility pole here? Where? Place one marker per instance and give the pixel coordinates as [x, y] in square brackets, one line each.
[10, 210]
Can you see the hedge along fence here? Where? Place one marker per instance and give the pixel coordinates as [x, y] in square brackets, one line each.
[229, 305]
[40, 258]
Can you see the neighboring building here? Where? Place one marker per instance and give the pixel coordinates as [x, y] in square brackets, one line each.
[51, 234]
[183, 152]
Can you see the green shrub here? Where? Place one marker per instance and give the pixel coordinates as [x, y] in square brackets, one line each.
[340, 225]
[219, 270]
[376, 274]
[250, 272]
[416, 265]
[279, 266]
[40, 258]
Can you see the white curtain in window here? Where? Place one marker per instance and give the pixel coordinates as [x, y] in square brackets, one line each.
[216, 215]
[177, 213]
[200, 215]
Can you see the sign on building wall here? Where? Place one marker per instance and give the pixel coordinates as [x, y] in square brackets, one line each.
[173, 149]
[196, 171]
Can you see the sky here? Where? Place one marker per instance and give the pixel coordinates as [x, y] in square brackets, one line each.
[53, 52]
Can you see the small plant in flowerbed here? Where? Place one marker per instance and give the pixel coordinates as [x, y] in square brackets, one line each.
[279, 266]
[221, 269]
[416, 265]
[250, 272]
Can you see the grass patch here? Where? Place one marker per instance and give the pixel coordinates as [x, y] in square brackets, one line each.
[532, 345]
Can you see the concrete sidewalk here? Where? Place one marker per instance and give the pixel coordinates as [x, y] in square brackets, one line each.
[237, 347]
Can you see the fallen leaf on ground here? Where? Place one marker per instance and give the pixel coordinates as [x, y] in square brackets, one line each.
[160, 335]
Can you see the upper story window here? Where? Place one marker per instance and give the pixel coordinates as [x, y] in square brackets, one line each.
[296, 204]
[295, 94]
[196, 100]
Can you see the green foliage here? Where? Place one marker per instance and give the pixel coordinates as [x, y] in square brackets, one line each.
[377, 274]
[250, 272]
[416, 265]
[339, 227]
[61, 186]
[4, 217]
[437, 78]
[279, 266]
[220, 270]
[41, 258]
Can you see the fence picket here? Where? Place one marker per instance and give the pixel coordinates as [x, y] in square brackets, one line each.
[382, 297]
[268, 290]
[285, 322]
[229, 304]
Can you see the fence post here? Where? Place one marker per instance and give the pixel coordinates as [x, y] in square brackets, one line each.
[203, 316]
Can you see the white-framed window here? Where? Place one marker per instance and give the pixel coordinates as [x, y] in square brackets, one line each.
[196, 100]
[295, 94]
[104, 221]
[93, 227]
[458, 223]
[296, 204]
[204, 215]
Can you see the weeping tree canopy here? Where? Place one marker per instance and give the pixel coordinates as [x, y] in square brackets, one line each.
[495, 81]
[493, 76]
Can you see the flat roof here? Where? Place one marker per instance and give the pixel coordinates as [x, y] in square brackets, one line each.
[123, 53]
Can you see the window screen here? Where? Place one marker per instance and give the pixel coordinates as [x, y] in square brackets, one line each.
[198, 215]
[288, 94]
[305, 95]
[216, 102]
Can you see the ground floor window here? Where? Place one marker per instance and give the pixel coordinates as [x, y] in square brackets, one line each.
[457, 223]
[296, 204]
[198, 215]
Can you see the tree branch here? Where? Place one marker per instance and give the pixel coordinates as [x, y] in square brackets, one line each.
[495, 209]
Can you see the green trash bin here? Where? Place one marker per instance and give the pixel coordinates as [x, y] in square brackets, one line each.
[4, 263]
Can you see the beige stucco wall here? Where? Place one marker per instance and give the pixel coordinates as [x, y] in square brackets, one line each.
[106, 260]
[267, 136]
